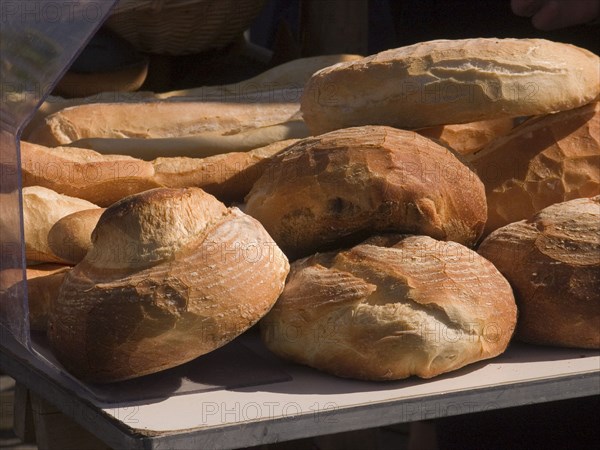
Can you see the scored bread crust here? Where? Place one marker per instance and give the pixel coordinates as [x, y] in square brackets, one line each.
[172, 274]
[392, 307]
[553, 261]
[451, 81]
[340, 187]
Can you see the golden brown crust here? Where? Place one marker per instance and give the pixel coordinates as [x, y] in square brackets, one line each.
[172, 275]
[156, 119]
[43, 283]
[546, 160]
[340, 187]
[86, 174]
[390, 308]
[229, 176]
[467, 138]
[451, 81]
[42, 208]
[552, 261]
[70, 238]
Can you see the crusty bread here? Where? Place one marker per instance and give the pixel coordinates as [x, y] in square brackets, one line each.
[339, 187]
[553, 263]
[392, 307]
[43, 284]
[280, 83]
[198, 146]
[156, 119]
[70, 238]
[105, 179]
[229, 176]
[172, 274]
[42, 208]
[467, 138]
[451, 81]
[546, 160]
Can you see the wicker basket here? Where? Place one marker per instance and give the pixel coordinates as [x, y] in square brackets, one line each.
[179, 27]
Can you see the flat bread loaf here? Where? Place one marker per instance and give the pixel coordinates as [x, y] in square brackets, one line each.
[451, 81]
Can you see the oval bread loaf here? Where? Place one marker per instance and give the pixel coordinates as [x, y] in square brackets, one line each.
[552, 262]
[392, 307]
[451, 81]
[172, 274]
[338, 188]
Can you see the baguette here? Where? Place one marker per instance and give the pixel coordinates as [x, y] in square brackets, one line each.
[156, 119]
[451, 81]
[198, 146]
[283, 83]
[105, 179]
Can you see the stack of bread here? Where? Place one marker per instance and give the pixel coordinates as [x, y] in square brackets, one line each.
[178, 213]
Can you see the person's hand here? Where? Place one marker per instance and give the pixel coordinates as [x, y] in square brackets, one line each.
[553, 14]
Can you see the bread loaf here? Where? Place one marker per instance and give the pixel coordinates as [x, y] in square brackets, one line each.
[470, 137]
[105, 179]
[282, 83]
[70, 238]
[198, 146]
[82, 173]
[553, 264]
[43, 283]
[229, 176]
[546, 160]
[451, 81]
[390, 308]
[338, 188]
[172, 274]
[42, 208]
[156, 119]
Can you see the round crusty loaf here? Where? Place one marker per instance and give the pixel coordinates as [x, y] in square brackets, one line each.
[451, 81]
[42, 208]
[546, 160]
[553, 263]
[172, 274]
[70, 238]
[340, 187]
[392, 307]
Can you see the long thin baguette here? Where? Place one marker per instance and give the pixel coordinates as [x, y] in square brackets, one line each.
[200, 146]
[104, 179]
[281, 83]
[156, 119]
